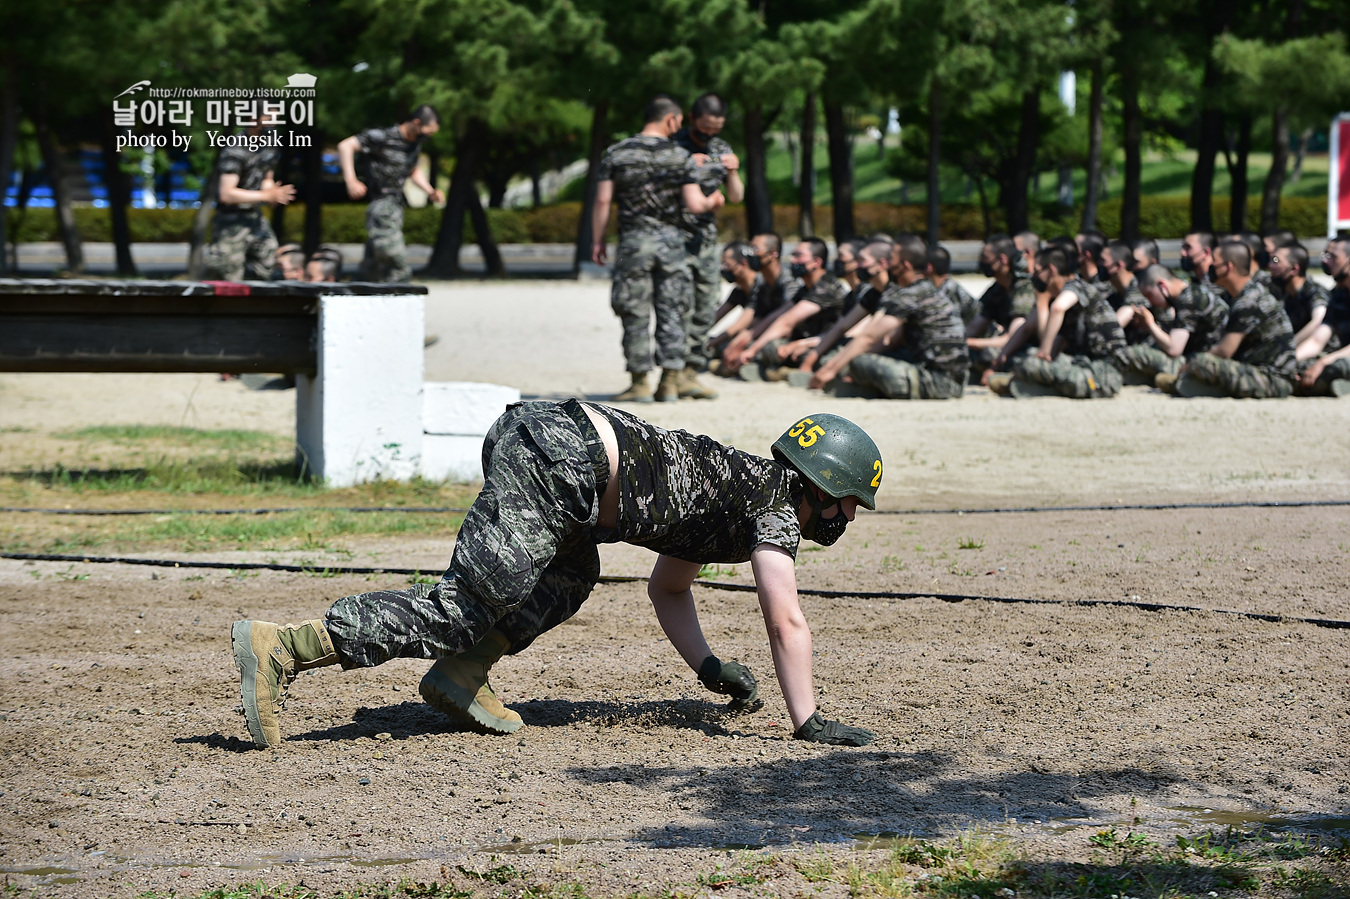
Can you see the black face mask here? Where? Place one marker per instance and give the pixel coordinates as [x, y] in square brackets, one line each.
[1039, 284]
[754, 263]
[825, 531]
[1326, 268]
[1187, 264]
[987, 269]
[798, 269]
[866, 274]
[839, 270]
[728, 276]
[1211, 276]
[1262, 258]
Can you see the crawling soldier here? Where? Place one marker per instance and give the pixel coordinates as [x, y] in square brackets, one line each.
[560, 478]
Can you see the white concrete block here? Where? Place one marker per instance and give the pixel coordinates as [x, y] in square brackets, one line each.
[360, 418]
[463, 407]
[449, 457]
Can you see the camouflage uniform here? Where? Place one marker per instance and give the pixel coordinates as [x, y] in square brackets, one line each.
[243, 246]
[1263, 366]
[705, 264]
[1200, 313]
[1092, 357]
[1132, 296]
[1336, 371]
[526, 556]
[651, 269]
[932, 362]
[390, 160]
[830, 294]
[965, 305]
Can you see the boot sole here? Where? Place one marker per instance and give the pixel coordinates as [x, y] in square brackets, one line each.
[449, 698]
[1340, 387]
[241, 640]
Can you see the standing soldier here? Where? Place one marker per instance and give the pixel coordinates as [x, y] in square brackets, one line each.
[393, 155]
[649, 176]
[717, 165]
[243, 245]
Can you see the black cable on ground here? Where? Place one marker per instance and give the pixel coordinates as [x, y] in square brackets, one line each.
[711, 585]
[1127, 507]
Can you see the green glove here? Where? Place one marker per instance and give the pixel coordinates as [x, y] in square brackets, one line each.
[729, 678]
[817, 730]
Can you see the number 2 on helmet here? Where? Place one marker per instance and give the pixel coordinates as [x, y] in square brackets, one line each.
[876, 466]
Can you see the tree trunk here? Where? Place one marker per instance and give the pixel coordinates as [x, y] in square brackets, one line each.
[65, 215]
[758, 209]
[462, 196]
[1303, 139]
[1094, 160]
[196, 264]
[1028, 135]
[1133, 136]
[9, 138]
[1237, 173]
[119, 198]
[492, 257]
[841, 169]
[536, 195]
[806, 192]
[934, 159]
[599, 137]
[985, 212]
[313, 192]
[1217, 16]
[1279, 162]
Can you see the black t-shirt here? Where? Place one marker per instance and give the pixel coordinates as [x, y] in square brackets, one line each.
[688, 496]
[864, 295]
[829, 293]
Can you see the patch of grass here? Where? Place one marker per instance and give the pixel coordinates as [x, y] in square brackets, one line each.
[715, 571]
[970, 543]
[892, 563]
[133, 435]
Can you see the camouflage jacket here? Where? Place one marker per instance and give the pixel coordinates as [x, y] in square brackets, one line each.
[751, 299]
[389, 160]
[1338, 317]
[688, 496]
[965, 305]
[1133, 296]
[1001, 306]
[1268, 338]
[1091, 328]
[829, 293]
[649, 174]
[710, 176]
[1202, 314]
[932, 335]
[252, 169]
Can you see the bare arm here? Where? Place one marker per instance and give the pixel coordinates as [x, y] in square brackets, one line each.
[789, 635]
[734, 188]
[422, 183]
[781, 326]
[1227, 346]
[1319, 314]
[877, 331]
[669, 591]
[347, 150]
[998, 340]
[696, 202]
[1062, 304]
[1314, 371]
[1021, 332]
[604, 195]
[832, 336]
[231, 192]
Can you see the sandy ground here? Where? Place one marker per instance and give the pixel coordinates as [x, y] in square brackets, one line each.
[126, 767]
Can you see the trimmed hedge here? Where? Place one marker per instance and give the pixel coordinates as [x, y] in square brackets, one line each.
[1163, 217]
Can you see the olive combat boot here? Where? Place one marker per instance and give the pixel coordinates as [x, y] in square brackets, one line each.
[691, 388]
[668, 390]
[269, 656]
[638, 392]
[458, 686]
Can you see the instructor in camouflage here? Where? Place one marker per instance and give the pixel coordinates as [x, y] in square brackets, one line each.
[392, 154]
[653, 181]
[560, 479]
[243, 246]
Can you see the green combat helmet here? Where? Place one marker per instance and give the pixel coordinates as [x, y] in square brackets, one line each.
[834, 454]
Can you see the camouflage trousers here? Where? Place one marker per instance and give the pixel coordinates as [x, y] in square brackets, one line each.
[1148, 361]
[897, 379]
[1237, 379]
[525, 559]
[705, 270]
[1336, 371]
[1076, 377]
[386, 256]
[768, 354]
[651, 273]
[243, 248]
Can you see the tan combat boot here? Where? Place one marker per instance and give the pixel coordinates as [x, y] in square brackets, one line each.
[1167, 383]
[638, 392]
[458, 686]
[668, 390]
[693, 389]
[1001, 383]
[269, 656]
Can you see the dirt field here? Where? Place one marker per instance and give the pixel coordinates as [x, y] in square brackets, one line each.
[1039, 726]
